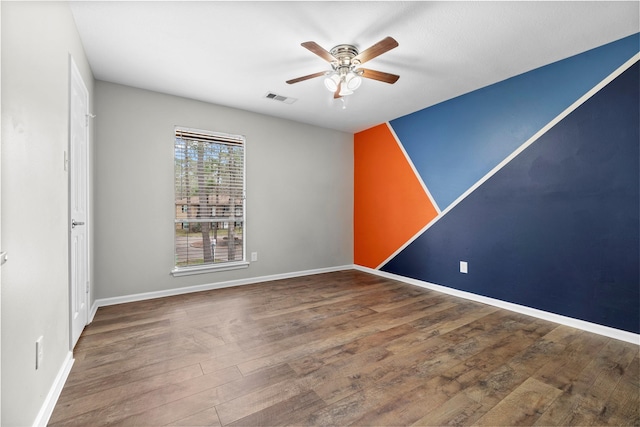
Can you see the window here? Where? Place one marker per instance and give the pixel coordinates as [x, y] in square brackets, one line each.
[209, 201]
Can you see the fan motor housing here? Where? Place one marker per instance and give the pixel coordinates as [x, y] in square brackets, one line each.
[344, 54]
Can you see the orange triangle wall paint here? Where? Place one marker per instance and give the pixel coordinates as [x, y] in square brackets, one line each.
[390, 205]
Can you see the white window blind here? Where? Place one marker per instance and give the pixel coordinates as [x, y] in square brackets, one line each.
[209, 200]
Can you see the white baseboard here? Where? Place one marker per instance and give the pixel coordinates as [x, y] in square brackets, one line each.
[103, 302]
[92, 312]
[54, 393]
[540, 314]
[545, 315]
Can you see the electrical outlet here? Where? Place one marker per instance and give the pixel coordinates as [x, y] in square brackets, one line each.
[464, 267]
[254, 256]
[39, 352]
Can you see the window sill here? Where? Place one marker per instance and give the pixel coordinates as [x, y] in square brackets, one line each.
[211, 268]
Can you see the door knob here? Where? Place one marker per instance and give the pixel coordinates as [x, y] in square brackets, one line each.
[74, 223]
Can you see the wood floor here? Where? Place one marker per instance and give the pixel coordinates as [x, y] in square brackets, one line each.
[344, 348]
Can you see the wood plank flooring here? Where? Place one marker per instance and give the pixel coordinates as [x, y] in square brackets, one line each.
[344, 348]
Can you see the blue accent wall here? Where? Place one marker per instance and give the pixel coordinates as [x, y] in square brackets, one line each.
[457, 142]
[557, 228]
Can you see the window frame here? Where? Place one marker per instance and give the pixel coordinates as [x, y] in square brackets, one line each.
[212, 266]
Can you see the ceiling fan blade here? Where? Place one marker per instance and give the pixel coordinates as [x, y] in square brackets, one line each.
[379, 75]
[377, 49]
[310, 76]
[336, 94]
[318, 50]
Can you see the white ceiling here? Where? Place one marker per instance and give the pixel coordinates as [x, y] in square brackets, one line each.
[234, 53]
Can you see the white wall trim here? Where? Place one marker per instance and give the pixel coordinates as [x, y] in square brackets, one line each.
[413, 168]
[52, 397]
[103, 302]
[208, 268]
[92, 311]
[441, 214]
[540, 314]
[54, 393]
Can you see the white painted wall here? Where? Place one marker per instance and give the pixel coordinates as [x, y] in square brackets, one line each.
[37, 39]
[299, 191]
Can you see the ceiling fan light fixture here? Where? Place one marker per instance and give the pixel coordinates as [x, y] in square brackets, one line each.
[345, 76]
[353, 81]
[345, 91]
[331, 82]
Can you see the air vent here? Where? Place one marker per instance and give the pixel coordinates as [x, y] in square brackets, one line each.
[280, 98]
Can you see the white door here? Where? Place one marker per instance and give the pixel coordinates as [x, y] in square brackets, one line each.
[78, 199]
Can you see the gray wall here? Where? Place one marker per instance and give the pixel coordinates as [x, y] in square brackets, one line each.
[37, 38]
[299, 191]
[299, 185]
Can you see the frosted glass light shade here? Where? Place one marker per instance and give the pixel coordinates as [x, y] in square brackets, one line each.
[353, 81]
[331, 82]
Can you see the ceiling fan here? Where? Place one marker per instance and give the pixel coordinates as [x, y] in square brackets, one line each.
[346, 75]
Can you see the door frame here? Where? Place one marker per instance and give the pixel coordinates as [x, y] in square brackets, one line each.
[74, 73]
